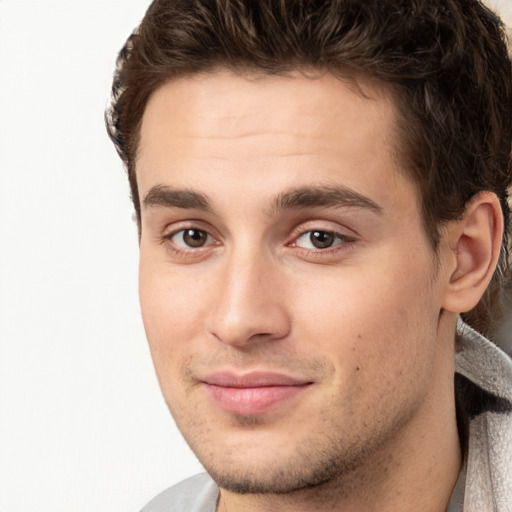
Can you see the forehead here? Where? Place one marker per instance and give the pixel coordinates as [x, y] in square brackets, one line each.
[233, 105]
[256, 129]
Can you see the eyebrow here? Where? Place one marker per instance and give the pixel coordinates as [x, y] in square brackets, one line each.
[162, 195]
[304, 197]
[324, 196]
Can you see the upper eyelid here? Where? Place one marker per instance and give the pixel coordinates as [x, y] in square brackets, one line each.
[331, 231]
[344, 239]
[164, 237]
[175, 227]
[331, 226]
[174, 232]
[316, 225]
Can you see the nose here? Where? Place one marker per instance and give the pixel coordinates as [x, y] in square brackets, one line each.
[249, 302]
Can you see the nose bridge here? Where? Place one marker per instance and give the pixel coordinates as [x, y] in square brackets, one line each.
[249, 301]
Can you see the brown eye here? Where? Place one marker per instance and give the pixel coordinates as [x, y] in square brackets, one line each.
[321, 239]
[191, 238]
[194, 237]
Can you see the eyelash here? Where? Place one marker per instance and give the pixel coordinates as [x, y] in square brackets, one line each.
[182, 251]
[344, 242]
[341, 241]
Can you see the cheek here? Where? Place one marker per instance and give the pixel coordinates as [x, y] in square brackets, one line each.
[170, 310]
[382, 318]
[379, 335]
[170, 323]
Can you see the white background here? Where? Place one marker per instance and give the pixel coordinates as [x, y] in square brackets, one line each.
[83, 427]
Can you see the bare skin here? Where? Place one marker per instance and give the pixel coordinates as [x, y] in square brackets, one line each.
[290, 297]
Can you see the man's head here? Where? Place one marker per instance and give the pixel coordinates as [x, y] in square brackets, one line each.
[445, 63]
[320, 187]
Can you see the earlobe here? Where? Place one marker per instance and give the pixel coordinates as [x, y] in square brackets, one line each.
[474, 242]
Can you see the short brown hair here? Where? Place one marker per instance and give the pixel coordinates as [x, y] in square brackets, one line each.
[445, 61]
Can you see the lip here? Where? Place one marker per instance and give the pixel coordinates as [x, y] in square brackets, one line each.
[252, 393]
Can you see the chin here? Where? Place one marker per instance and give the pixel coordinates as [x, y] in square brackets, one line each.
[271, 472]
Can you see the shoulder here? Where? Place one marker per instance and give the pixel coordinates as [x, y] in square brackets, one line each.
[196, 494]
[484, 396]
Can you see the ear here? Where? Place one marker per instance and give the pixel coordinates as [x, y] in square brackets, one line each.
[473, 248]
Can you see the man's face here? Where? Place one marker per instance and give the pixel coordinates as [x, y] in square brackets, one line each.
[288, 292]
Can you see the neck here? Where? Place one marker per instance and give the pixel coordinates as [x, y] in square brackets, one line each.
[416, 470]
